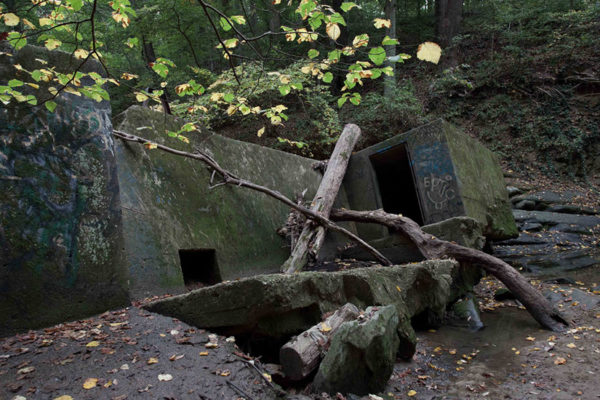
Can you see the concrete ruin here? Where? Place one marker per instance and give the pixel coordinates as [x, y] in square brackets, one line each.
[86, 222]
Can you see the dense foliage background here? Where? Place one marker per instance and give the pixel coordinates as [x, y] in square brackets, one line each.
[523, 76]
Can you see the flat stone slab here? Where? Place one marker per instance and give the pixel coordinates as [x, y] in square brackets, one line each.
[589, 222]
[281, 305]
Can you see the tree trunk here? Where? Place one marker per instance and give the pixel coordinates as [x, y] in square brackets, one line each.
[312, 237]
[432, 248]
[389, 82]
[301, 355]
[150, 57]
[448, 16]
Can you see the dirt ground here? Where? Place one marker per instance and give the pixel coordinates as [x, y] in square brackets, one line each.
[134, 354]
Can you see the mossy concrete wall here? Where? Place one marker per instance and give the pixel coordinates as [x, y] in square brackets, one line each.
[60, 233]
[168, 205]
[453, 174]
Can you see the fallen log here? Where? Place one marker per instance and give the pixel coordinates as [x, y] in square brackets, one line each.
[313, 235]
[433, 248]
[301, 355]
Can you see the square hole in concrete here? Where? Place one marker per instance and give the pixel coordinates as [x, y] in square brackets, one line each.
[199, 267]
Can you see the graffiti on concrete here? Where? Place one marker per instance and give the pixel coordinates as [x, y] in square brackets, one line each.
[438, 190]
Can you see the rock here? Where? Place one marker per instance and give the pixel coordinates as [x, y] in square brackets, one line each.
[525, 205]
[589, 222]
[362, 354]
[60, 219]
[503, 294]
[513, 191]
[466, 309]
[280, 305]
[570, 295]
[571, 209]
[465, 231]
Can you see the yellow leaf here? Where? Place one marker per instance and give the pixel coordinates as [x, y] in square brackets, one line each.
[127, 76]
[28, 23]
[559, 361]
[429, 51]
[80, 53]
[267, 377]
[93, 343]
[324, 327]
[411, 393]
[398, 288]
[10, 19]
[453, 351]
[63, 397]
[285, 79]
[141, 97]
[279, 108]
[150, 146]
[165, 377]
[90, 383]
[203, 353]
[225, 373]
[231, 110]
[530, 338]
[182, 88]
[211, 345]
[571, 345]
[216, 96]
[382, 23]
[260, 131]
[333, 30]
[45, 21]
[152, 360]
[52, 44]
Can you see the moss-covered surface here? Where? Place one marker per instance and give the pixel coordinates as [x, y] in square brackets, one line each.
[453, 175]
[60, 237]
[168, 205]
[278, 305]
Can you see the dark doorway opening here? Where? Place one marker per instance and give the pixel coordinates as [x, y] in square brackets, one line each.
[199, 267]
[396, 182]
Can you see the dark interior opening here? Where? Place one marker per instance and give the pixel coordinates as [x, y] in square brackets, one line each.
[396, 182]
[199, 267]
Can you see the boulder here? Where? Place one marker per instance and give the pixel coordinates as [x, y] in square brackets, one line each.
[466, 310]
[281, 305]
[465, 231]
[362, 354]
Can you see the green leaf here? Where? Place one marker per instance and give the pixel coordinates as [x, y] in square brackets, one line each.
[334, 55]
[376, 73]
[160, 69]
[312, 53]
[341, 101]
[224, 24]
[355, 99]
[337, 18]
[17, 40]
[328, 77]
[228, 97]
[15, 83]
[50, 105]
[316, 19]
[297, 85]
[238, 19]
[377, 55]
[31, 99]
[388, 41]
[348, 5]
[76, 4]
[132, 42]
[284, 90]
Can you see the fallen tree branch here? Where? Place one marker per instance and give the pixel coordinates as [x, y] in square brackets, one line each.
[231, 179]
[312, 236]
[433, 248]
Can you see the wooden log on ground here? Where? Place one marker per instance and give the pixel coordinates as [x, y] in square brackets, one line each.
[302, 355]
[313, 235]
[433, 248]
